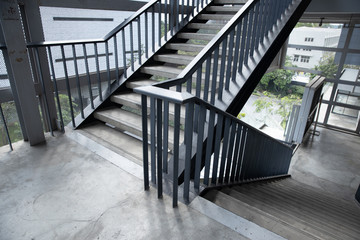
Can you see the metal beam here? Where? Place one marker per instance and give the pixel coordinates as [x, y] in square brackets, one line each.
[19, 71]
[123, 5]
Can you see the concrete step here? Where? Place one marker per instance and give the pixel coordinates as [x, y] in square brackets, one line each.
[133, 100]
[129, 122]
[257, 216]
[139, 83]
[196, 36]
[185, 47]
[174, 58]
[285, 216]
[207, 26]
[320, 216]
[225, 17]
[163, 71]
[232, 9]
[230, 2]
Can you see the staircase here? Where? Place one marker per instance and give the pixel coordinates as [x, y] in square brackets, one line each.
[290, 209]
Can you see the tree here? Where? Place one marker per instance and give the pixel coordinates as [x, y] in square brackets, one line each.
[285, 107]
[327, 66]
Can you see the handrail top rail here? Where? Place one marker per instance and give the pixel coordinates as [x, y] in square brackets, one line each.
[185, 97]
[104, 39]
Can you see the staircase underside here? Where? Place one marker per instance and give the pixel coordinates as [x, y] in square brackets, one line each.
[291, 209]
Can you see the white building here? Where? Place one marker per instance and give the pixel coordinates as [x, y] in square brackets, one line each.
[310, 36]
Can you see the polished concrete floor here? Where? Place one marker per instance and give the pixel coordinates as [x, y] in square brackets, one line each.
[72, 188]
[330, 161]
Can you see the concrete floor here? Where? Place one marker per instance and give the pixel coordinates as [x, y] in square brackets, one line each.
[330, 161]
[62, 190]
[72, 188]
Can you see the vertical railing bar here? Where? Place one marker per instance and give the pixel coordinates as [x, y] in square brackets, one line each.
[108, 65]
[98, 71]
[159, 31]
[88, 75]
[230, 158]
[249, 36]
[253, 35]
[207, 78]
[177, 15]
[6, 128]
[153, 139]
[145, 141]
[159, 146]
[139, 40]
[124, 52]
[131, 47]
[182, 12]
[198, 81]
[197, 5]
[188, 13]
[224, 149]
[78, 81]
[116, 59]
[222, 68]
[188, 143]
[268, 23]
[166, 136]
[199, 147]
[229, 60]
[243, 42]
[56, 88]
[153, 28]
[242, 153]
[214, 76]
[260, 22]
[176, 153]
[146, 35]
[67, 85]
[278, 11]
[47, 110]
[209, 147]
[166, 19]
[236, 152]
[263, 24]
[171, 17]
[192, 6]
[217, 148]
[237, 49]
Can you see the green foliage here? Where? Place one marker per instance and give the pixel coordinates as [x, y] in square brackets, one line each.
[241, 115]
[65, 108]
[285, 107]
[327, 66]
[276, 82]
[12, 122]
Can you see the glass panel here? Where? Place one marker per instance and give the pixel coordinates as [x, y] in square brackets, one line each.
[355, 38]
[344, 117]
[323, 109]
[327, 89]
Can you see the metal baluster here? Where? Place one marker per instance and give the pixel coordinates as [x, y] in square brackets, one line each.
[108, 65]
[207, 78]
[260, 23]
[224, 149]
[116, 60]
[277, 12]
[153, 28]
[68, 85]
[166, 137]
[197, 5]
[159, 145]
[177, 15]
[182, 12]
[229, 60]
[230, 157]
[199, 147]
[209, 146]
[219, 126]
[171, 17]
[242, 153]
[145, 141]
[198, 82]
[222, 68]
[139, 40]
[166, 19]
[98, 70]
[237, 49]
[159, 32]
[153, 139]
[249, 36]
[56, 88]
[124, 52]
[188, 143]
[192, 6]
[254, 33]
[38, 65]
[6, 128]
[88, 75]
[236, 152]
[131, 47]
[243, 42]
[268, 16]
[78, 81]
[147, 35]
[214, 76]
[176, 153]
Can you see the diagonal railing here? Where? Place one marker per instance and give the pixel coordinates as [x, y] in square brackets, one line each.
[234, 151]
[98, 63]
[227, 69]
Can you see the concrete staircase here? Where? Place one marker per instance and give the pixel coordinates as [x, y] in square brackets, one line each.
[291, 209]
[123, 116]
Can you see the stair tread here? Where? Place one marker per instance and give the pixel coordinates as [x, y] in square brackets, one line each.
[257, 216]
[296, 220]
[212, 26]
[205, 16]
[196, 36]
[138, 83]
[174, 58]
[185, 47]
[164, 71]
[223, 8]
[230, 1]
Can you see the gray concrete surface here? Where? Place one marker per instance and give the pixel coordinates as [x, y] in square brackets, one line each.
[330, 161]
[62, 190]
